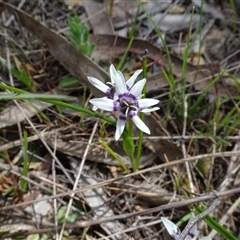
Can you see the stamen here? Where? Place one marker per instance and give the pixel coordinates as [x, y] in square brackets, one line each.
[128, 104]
[135, 108]
[110, 83]
[127, 111]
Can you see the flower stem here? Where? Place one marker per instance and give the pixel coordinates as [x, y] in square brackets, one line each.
[140, 140]
[131, 155]
[128, 145]
[120, 64]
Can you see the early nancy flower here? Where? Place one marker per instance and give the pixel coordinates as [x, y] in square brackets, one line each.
[126, 100]
[114, 75]
[175, 232]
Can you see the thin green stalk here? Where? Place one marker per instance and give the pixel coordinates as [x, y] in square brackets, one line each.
[33, 96]
[131, 34]
[134, 23]
[83, 103]
[23, 182]
[158, 31]
[200, 46]
[181, 97]
[185, 57]
[169, 71]
[41, 113]
[115, 156]
[142, 116]
[123, 58]
[111, 7]
[235, 16]
[203, 94]
[129, 146]
[131, 153]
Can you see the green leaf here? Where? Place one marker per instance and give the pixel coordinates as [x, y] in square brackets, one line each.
[79, 35]
[216, 226]
[68, 82]
[72, 216]
[85, 35]
[128, 144]
[23, 76]
[35, 96]
[116, 156]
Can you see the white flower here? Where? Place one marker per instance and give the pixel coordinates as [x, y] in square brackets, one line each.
[175, 232]
[126, 100]
[115, 76]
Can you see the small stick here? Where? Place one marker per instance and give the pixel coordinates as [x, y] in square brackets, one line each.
[200, 216]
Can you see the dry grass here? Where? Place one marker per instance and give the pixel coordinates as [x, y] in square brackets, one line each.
[75, 190]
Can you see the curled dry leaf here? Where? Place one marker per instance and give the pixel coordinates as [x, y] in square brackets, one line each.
[75, 62]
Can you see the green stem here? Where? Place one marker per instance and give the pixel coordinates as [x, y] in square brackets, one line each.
[159, 33]
[25, 169]
[140, 140]
[134, 23]
[123, 58]
[130, 134]
[111, 8]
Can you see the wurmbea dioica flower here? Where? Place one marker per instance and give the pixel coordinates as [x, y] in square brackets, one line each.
[114, 75]
[175, 232]
[125, 99]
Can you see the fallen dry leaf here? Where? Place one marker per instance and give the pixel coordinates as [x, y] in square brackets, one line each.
[98, 17]
[110, 46]
[12, 114]
[75, 62]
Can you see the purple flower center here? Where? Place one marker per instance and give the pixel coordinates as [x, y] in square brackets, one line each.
[128, 104]
[110, 92]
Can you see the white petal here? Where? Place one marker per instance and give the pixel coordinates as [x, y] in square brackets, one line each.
[205, 238]
[120, 127]
[147, 102]
[98, 84]
[133, 78]
[136, 90]
[139, 123]
[115, 96]
[120, 75]
[118, 78]
[94, 108]
[103, 103]
[113, 73]
[172, 229]
[147, 110]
